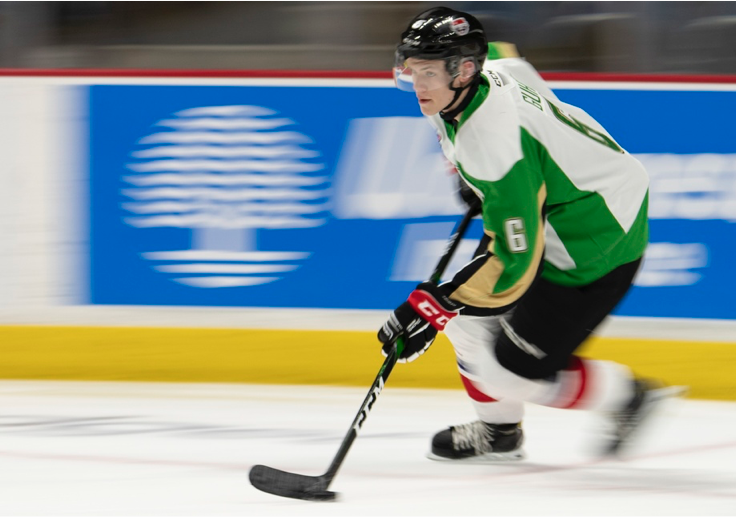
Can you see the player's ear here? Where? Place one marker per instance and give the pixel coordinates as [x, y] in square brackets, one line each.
[468, 68]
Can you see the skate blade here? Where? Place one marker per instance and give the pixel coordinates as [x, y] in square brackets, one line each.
[657, 397]
[670, 392]
[483, 459]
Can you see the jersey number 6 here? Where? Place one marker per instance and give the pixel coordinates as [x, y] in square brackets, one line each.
[516, 234]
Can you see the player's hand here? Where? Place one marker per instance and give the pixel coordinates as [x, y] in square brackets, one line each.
[418, 320]
[468, 196]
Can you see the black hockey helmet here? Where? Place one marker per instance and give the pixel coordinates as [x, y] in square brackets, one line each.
[441, 33]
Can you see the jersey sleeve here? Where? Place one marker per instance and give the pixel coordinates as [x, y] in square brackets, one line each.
[513, 247]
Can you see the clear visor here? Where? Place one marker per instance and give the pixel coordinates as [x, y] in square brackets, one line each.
[421, 75]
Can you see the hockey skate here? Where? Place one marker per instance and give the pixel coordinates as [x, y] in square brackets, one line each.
[626, 423]
[478, 442]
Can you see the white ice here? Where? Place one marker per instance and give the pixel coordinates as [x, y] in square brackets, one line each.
[74, 448]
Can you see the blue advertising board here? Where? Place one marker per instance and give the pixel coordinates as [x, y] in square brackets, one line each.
[338, 196]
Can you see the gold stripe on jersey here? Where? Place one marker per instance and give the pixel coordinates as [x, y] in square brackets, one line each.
[477, 291]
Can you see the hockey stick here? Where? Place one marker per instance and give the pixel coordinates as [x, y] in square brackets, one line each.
[314, 488]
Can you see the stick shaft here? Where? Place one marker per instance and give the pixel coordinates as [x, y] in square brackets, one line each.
[393, 356]
[362, 415]
[452, 245]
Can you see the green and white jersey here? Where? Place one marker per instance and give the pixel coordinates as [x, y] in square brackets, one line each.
[555, 187]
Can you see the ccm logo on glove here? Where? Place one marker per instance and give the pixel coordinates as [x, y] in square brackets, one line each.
[418, 319]
[430, 309]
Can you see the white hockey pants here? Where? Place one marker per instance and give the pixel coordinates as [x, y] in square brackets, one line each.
[498, 395]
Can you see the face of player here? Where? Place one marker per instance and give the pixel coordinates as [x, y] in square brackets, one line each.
[431, 84]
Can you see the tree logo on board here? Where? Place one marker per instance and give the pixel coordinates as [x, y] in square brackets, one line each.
[225, 174]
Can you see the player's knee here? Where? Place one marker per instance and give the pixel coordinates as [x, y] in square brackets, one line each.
[524, 359]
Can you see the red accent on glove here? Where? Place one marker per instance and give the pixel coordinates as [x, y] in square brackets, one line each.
[430, 309]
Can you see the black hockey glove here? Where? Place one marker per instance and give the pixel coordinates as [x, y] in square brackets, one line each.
[468, 196]
[418, 319]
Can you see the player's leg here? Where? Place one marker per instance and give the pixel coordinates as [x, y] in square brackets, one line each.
[532, 359]
[539, 338]
[526, 355]
[497, 434]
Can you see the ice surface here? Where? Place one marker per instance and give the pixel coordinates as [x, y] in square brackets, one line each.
[73, 448]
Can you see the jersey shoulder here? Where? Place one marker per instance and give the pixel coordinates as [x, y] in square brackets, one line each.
[488, 143]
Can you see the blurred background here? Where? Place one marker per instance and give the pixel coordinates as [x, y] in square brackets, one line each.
[636, 37]
[135, 208]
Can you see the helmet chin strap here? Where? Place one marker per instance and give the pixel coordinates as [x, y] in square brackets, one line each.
[471, 87]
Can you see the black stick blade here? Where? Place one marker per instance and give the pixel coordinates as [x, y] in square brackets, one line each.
[287, 484]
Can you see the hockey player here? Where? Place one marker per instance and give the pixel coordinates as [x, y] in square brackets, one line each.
[564, 211]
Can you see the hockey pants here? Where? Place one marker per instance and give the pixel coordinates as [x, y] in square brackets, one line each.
[527, 354]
